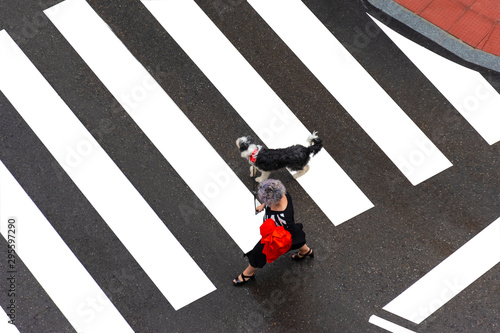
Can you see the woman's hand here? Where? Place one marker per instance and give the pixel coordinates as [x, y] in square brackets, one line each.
[259, 209]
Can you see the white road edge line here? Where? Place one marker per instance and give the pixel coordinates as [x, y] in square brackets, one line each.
[450, 277]
[387, 325]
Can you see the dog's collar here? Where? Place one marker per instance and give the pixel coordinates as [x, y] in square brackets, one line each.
[253, 157]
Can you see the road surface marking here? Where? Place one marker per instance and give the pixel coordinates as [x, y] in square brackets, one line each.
[326, 183]
[52, 263]
[201, 167]
[387, 325]
[361, 96]
[467, 90]
[450, 277]
[99, 179]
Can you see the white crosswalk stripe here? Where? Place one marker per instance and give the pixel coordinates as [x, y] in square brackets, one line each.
[450, 277]
[5, 326]
[35, 241]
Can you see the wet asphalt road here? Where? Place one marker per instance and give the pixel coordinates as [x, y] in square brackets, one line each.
[359, 267]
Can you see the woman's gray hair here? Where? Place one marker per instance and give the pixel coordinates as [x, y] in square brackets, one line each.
[271, 191]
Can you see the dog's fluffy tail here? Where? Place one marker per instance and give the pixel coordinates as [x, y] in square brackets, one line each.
[315, 143]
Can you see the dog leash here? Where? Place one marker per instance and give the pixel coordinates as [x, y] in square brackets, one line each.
[254, 173]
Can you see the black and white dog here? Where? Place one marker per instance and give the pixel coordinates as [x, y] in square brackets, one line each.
[294, 158]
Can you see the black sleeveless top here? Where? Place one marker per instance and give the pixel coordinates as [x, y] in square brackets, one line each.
[286, 219]
[281, 218]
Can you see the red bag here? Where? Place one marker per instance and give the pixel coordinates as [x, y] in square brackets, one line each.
[276, 240]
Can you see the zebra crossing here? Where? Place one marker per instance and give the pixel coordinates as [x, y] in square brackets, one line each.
[98, 178]
[114, 196]
[157, 115]
[257, 104]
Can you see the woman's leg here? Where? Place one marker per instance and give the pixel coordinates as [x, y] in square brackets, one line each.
[304, 250]
[249, 271]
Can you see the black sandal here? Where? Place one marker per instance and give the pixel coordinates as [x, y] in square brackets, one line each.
[245, 279]
[298, 257]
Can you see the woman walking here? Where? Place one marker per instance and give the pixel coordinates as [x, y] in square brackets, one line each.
[278, 207]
